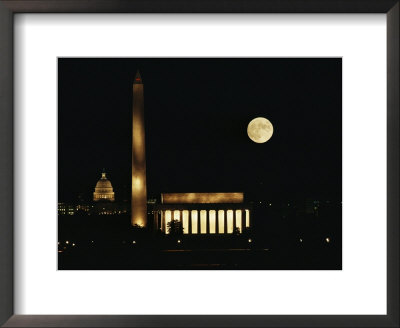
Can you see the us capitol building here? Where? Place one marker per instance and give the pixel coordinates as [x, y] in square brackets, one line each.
[103, 202]
[103, 190]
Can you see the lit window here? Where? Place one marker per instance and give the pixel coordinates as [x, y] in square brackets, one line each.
[247, 218]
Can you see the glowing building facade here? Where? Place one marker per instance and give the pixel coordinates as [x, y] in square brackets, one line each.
[203, 213]
[103, 190]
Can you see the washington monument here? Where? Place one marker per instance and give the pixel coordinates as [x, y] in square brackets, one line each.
[139, 192]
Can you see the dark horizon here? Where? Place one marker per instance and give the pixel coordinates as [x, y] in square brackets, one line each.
[196, 116]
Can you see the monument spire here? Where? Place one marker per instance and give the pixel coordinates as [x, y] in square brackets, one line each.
[138, 78]
[139, 190]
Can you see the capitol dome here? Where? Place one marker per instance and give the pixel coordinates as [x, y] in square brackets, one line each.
[103, 190]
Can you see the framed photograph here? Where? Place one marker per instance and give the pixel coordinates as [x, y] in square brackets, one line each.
[202, 164]
[210, 187]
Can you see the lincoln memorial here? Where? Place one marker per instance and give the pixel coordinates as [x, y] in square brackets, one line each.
[203, 213]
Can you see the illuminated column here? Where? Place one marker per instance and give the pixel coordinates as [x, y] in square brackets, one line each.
[169, 216]
[225, 221]
[185, 221]
[248, 221]
[139, 192]
[195, 223]
[213, 221]
[179, 216]
[190, 221]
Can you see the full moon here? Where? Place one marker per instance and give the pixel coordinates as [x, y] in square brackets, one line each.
[260, 130]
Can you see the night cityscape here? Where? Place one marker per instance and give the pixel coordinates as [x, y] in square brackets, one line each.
[199, 163]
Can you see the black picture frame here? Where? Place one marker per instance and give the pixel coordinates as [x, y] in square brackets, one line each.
[10, 7]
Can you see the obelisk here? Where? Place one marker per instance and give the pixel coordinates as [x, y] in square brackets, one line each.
[139, 192]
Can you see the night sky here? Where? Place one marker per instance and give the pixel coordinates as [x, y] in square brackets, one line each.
[196, 117]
